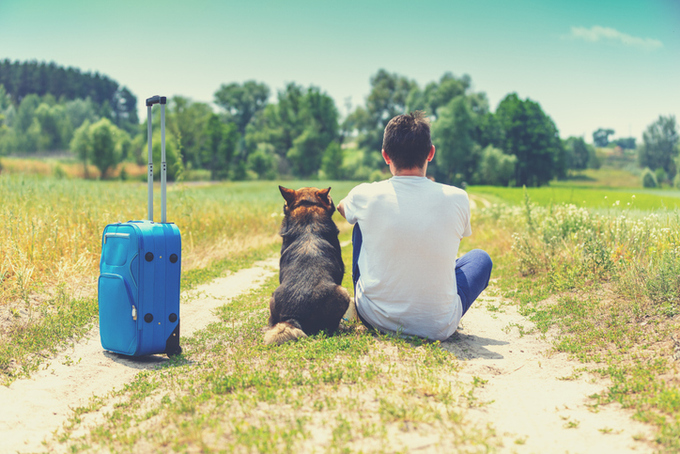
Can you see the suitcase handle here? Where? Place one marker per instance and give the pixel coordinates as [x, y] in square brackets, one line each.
[115, 235]
[155, 100]
[162, 100]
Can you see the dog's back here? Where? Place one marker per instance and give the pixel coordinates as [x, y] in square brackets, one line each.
[309, 298]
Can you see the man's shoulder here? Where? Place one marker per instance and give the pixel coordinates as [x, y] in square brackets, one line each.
[450, 190]
[370, 188]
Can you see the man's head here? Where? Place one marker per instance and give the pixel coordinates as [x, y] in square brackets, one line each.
[407, 140]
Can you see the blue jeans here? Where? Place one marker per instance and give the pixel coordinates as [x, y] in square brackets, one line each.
[473, 271]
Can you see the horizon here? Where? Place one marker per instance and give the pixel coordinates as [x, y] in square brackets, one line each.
[586, 72]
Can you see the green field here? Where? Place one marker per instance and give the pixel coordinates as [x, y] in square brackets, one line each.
[607, 199]
[572, 258]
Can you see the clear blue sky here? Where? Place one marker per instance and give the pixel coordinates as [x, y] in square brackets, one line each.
[590, 64]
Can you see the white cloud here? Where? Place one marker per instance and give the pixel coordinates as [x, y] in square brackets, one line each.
[597, 33]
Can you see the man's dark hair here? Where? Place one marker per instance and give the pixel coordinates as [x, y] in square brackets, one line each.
[407, 140]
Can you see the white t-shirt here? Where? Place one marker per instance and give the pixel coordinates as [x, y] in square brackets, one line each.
[411, 228]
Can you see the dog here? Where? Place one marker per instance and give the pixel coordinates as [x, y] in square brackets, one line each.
[309, 298]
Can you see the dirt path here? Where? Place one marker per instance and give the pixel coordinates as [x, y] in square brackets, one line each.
[524, 398]
[532, 396]
[32, 409]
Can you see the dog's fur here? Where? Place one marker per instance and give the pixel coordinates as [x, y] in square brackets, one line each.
[309, 298]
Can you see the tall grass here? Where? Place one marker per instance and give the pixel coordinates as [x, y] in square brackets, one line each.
[573, 246]
[606, 284]
[50, 229]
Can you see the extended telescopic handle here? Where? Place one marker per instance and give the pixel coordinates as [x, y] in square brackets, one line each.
[155, 100]
[162, 100]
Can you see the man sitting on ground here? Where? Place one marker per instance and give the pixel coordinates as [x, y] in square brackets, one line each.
[407, 279]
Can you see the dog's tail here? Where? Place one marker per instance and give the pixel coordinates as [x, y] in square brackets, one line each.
[284, 332]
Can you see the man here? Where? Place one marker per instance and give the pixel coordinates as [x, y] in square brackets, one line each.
[406, 237]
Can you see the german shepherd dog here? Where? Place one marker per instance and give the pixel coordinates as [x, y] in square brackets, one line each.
[309, 298]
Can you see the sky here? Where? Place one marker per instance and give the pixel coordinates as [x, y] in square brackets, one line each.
[589, 64]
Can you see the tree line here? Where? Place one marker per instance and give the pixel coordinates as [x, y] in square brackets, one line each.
[298, 133]
[114, 101]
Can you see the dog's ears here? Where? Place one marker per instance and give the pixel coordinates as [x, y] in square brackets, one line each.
[323, 194]
[288, 194]
[324, 197]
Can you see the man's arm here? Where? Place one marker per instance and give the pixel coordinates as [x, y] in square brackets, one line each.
[341, 208]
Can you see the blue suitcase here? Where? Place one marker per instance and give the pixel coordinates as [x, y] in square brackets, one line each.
[140, 275]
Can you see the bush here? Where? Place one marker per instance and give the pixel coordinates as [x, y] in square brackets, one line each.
[59, 172]
[196, 175]
[496, 168]
[661, 176]
[263, 162]
[676, 182]
[649, 179]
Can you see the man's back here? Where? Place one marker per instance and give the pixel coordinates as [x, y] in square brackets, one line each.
[411, 230]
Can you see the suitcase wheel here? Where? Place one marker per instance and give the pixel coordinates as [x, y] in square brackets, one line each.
[175, 352]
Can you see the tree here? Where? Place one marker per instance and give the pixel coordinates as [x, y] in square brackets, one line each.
[436, 95]
[457, 154]
[627, 143]
[186, 120]
[22, 79]
[242, 102]
[103, 139]
[331, 164]
[125, 109]
[659, 147]
[532, 137]
[578, 155]
[263, 161]
[307, 152]
[387, 99]
[80, 110]
[219, 147]
[5, 100]
[299, 128]
[173, 160]
[55, 126]
[601, 137]
[26, 112]
[81, 145]
[488, 130]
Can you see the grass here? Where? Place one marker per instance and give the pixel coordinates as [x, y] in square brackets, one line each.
[614, 200]
[600, 277]
[351, 392]
[605, 177]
